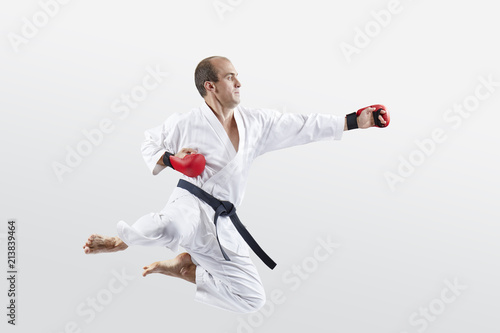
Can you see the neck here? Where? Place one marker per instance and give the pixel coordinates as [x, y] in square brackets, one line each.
[224, 114]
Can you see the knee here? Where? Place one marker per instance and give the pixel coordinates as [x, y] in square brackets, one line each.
[254, 303]
[150, 226]
[175, 229]
[258, 304]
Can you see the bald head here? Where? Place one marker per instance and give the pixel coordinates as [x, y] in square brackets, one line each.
[206, 71]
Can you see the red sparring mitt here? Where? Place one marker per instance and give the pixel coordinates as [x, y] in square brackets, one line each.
[352, 121]
[192, 165]
[376, 113]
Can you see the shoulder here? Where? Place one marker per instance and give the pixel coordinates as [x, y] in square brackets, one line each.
[258, 114]
[181, 118]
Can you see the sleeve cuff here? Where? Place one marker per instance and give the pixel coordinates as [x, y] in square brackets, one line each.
[154, 167]
[339, 128]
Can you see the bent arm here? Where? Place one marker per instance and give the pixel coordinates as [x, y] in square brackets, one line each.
[186, 161]
[159, 140]
[181, 154]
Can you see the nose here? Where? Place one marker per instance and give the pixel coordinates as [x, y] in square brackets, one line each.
[237, 83]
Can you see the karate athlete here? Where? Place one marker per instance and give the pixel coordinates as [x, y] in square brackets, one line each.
[229, 137]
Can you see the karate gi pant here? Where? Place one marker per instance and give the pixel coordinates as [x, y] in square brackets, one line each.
[186, 221]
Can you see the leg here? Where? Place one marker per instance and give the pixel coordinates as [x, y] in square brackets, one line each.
[102, 244]
[181, 267]
[173, 225]
[230, 285]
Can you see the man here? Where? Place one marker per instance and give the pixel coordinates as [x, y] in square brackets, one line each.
[230, 137]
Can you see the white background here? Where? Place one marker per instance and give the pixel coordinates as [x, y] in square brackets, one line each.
[398, 245]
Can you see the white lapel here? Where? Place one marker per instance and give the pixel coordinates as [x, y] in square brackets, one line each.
[241, 128]
[219, 130]
[224, 175]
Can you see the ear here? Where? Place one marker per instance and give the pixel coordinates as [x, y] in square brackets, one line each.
[209, 86]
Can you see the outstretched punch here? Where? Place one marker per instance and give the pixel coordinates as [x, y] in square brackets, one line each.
[381, 117]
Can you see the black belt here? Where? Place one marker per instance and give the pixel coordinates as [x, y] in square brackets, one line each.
[226, 208]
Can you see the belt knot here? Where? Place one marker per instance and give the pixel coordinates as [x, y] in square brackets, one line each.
[226, 209]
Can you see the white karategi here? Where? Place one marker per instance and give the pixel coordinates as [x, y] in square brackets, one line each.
[187, 221]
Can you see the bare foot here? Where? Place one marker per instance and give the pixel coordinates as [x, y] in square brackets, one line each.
[102, 244]
[181, 266]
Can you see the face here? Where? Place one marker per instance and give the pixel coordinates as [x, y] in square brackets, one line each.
[227, 90]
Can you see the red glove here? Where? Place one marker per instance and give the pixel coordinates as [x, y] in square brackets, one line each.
[376, 113]
[192, 165]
